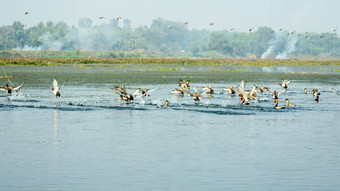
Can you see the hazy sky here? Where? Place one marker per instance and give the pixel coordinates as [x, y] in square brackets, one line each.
[300, 15]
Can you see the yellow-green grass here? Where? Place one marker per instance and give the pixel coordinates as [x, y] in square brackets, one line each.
[161, 61]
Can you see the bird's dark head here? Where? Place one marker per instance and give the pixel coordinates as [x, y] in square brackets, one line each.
[6, 85]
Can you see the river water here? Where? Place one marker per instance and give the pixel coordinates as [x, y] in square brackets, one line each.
[89, 140]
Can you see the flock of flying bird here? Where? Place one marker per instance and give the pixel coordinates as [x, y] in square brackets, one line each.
[245, 95]
[250, 29]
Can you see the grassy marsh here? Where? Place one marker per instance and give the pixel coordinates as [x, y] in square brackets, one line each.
[161, 61]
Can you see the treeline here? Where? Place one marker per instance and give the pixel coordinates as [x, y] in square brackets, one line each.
[166, 38]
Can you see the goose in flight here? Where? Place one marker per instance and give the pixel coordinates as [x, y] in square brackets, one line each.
[26, 13]
[56, 89]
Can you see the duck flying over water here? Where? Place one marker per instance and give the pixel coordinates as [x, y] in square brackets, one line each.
[263, 89]
[284, 83]
[230, 90]
[11, 89]
[244, 100]
[196, 96]
[144, 92]
[177, 92]
[184, 84]
[333, 90]
[123, 95]
[56, 89]
[166, 104]
[208, 89]
[247, 94]
[277, 105]
[276, 94]
[289, 104]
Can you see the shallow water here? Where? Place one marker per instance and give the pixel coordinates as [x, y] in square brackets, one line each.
[89, 140]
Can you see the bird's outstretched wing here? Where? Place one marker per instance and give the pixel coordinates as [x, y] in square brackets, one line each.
[18, 87]
[64, 83]
[333, 90]
[278, 93]
[55, 85]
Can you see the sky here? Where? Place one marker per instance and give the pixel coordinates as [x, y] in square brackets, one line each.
[293, 15]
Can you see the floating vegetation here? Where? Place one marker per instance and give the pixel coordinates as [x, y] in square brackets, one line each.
[327, 70]
[229, 70]
[82, 66]
[164, 69]
[304, 73]
[108, 70]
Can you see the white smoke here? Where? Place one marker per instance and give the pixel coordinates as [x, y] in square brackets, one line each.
[83, 38]
[289, 48]
[270, 50]
[281, 45]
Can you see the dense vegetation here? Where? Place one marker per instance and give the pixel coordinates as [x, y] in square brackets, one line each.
[163, 38]
[161, 61]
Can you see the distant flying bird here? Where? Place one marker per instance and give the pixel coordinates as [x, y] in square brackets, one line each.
[250, 29]
[290, 33]
[186, 23]
[101, 17]
[26, 13]
[321, 36]
[211, 23]
[306, 36]
[232, 29]
[23, 25]
[170, 27]
[119, 18]
[272, 31]
[334, 30]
